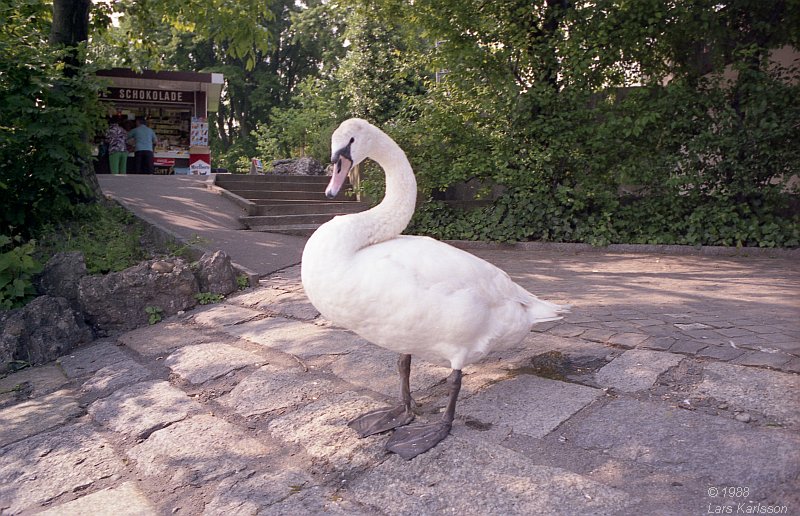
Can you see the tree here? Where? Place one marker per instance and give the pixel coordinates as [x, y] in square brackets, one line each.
[70, 28]
[47, 108]
[303, 39]
[567, 104]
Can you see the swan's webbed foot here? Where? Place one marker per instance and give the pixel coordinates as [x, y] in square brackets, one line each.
[410, 441]
[381, 420]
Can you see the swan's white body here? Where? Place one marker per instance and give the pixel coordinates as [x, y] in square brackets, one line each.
[409, 294]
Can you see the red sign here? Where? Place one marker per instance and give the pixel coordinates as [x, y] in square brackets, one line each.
[164, 162]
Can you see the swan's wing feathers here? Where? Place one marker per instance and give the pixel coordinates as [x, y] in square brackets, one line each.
[448, 274]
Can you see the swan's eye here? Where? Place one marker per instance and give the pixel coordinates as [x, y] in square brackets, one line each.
[345, 151]
[352, 139]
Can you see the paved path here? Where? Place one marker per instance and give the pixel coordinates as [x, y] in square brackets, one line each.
[187, 208]
[672, 388]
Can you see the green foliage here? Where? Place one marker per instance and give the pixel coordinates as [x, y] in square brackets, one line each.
[45, 121]
[17, 269]
[154, 314]
[305, 128]
[238, 27]
[242, 281]
[108, 236]
[184, 250]
[206, 298]
[579, 123]
[600, 122]
[287, 41]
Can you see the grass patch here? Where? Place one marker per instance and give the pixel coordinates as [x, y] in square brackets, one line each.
[110, 238]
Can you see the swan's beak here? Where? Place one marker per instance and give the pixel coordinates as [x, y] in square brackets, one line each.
[341, 168]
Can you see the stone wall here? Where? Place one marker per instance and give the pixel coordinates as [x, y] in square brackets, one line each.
[74, 307]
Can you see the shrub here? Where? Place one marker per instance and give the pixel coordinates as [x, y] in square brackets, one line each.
[46, 121]
[17, 268]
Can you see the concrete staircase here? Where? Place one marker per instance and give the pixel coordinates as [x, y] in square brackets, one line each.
[293, 205]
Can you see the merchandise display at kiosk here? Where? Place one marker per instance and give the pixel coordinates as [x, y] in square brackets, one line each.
[175, 105]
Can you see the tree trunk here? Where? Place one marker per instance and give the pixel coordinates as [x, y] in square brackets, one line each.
[71, 28]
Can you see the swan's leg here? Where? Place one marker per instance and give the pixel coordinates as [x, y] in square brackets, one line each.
[381, 420]
[410, 441]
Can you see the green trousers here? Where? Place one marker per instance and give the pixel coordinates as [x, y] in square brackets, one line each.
[118, 162]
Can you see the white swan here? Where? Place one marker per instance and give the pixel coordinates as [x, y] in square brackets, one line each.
[409, 294]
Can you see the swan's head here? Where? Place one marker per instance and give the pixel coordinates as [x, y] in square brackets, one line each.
[350, 144]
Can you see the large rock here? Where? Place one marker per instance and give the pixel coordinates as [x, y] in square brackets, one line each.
[117, 301]
[216, 274]
[61, 275]
[39, 332]
[298, 167]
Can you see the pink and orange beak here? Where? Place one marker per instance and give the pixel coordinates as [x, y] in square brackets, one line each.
[342, 163]
[341, 167]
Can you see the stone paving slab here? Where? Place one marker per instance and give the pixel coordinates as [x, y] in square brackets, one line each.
[196, 451]
[636, 369]
[225, 314]
[671, 440]
[375, 368]
[88, 360]
[139, 410]
[272, 389]
[45, 466]
[321, 428]
[761, 359]
[35, 381]
[249, 494]
[162, 338]
[691, 296]
[200, 363]
[112, 377]
[775, 394]
[320, 500]
[37, 415]
[125, 500]
[297, 338]
[465, 477]
[292, 304]
[526, 405]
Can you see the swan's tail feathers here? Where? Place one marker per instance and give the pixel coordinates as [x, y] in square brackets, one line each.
[544, 311]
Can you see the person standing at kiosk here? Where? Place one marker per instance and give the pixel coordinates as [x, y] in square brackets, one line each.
[143, 139]
[117, 150]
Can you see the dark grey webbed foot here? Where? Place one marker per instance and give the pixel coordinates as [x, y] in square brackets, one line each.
[381, 420]
[410, 441]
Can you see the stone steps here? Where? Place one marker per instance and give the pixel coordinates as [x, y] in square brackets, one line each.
[294, 205]
[289, 207]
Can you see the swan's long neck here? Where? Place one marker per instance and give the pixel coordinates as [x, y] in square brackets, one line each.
[389, 218]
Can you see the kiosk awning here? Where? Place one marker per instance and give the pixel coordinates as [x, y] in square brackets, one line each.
[158, 86]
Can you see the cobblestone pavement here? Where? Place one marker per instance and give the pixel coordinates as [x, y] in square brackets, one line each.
[671, 388]
[740, 309]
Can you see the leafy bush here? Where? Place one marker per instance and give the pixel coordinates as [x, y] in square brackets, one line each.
[17, 269]
[154, 314]
[46, 120]
[208, 298]
[304, 128]
[697, 164]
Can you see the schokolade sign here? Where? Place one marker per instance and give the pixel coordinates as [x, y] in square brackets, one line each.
[152, 96]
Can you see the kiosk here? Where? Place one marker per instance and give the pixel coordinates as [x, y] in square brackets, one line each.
[176, 106]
